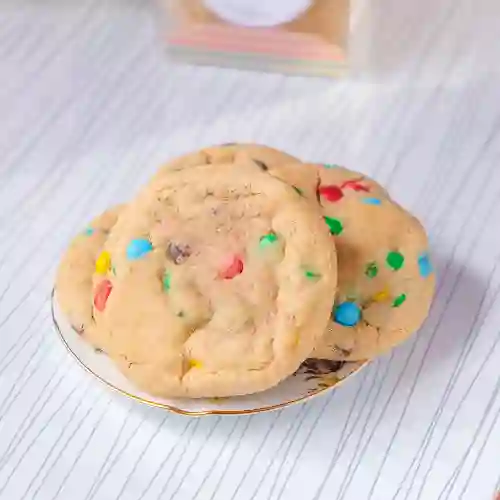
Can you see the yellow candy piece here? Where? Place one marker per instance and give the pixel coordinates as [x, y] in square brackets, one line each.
[193, 363]
[103, 263]
[381, 296]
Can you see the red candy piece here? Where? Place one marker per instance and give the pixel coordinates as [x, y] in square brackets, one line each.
[102, 291]
[331, 193]
[235, 268]
[356, 185]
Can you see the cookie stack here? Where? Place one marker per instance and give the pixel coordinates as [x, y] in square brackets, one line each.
[235, 264]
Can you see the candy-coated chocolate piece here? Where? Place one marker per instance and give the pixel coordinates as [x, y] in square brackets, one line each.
[138, 247]
[425, 265]
[234, 268]
[311, 275]
[103, 263]
[101, 294]
[371, 201]
[381, 296]
[331, 193]
[399, 300]
[335, 225]
[167, 281]
[268, 239]
[347, 314]
[395, 260]
[356, 185]
[371, 270]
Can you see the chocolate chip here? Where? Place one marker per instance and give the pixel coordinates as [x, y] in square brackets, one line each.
[178, 252]
[334, 366]
[344, 352]
[315, 366]
[261, 165]
[98, 350]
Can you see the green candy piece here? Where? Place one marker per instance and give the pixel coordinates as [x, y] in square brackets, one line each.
[311, 275]
[268, 239]
[331, 165]
[371, 270]
[298, 191]
[399, 300]
[335, 225]
[167, 280]
[395, 260]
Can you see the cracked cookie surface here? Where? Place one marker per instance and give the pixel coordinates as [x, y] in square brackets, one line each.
[264, 156]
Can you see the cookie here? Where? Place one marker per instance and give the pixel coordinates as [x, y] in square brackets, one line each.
[74, 274]
[223, 282]
[385, 277]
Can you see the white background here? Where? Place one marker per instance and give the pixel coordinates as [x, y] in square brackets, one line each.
[89, 106]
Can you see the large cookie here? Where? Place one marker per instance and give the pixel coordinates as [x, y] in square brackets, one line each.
[74, 275]
[385, 281]
[220, 281]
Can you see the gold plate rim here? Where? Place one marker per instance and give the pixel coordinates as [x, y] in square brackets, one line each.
[179, 411]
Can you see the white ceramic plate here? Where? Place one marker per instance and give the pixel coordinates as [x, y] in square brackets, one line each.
[313, 378]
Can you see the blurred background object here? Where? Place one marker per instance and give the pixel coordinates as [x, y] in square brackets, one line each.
[306, 37]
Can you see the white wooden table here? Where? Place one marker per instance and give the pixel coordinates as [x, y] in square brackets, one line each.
[89, 106]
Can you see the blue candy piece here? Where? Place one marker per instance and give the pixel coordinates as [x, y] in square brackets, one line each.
[371, 201]
[88, 232]
[425, 265]
[347, 314]
[138, 248]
